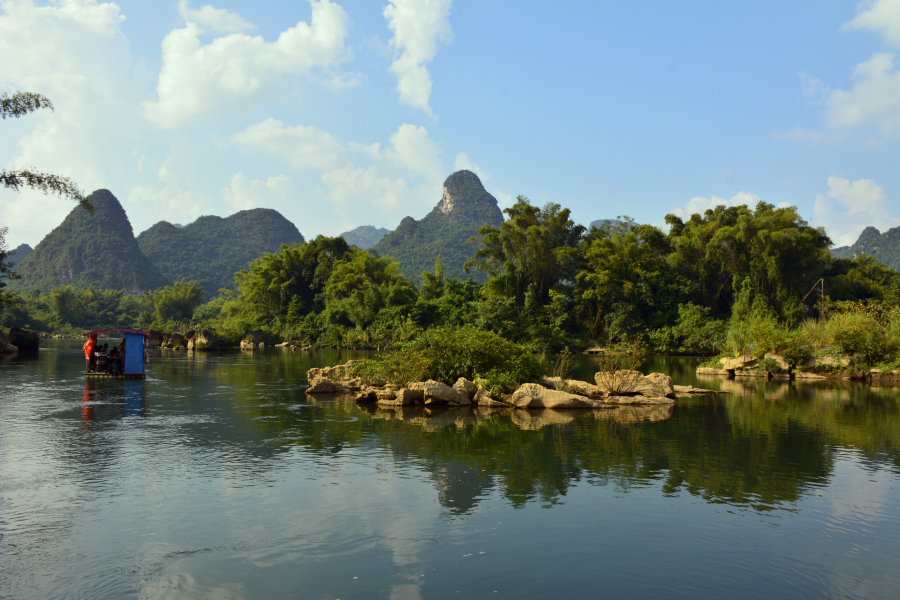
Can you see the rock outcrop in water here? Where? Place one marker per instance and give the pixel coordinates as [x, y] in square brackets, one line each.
[550, 393]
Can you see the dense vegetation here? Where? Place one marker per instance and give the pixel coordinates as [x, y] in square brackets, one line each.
[90, 250]
[465, 207]
[211, 249]
[884, 247]
[733, 280]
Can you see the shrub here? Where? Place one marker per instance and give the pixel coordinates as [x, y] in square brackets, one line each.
[617, 369]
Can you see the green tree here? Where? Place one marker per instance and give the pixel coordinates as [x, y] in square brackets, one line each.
[433, 283]
[534, 248]
[6, 271]
[179, 301]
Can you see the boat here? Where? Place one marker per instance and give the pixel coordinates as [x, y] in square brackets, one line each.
[131, 365]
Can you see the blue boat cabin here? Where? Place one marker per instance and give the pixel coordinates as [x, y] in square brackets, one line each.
[126, 360]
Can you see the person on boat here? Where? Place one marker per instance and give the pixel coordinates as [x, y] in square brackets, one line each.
[89, 357]
[102, 358]
[115, 360]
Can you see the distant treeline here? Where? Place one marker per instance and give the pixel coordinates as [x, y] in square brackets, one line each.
[550, 283]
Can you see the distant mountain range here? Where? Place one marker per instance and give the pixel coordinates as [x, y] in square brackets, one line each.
[885, 247]
[86, 249]
[16, 256]
[211, 249]
[365, 236]
[464, 208]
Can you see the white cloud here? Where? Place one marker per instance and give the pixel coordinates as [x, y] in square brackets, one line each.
[231, 70]
[178, 201]
[82, 64]
[807, 136]
[463, 162]
[214, 19]
[881, 15]
[302, 146]
[412, 149]
[420, 27]
[243, 193]
[874, 98]
[699, 205]
[847, 208]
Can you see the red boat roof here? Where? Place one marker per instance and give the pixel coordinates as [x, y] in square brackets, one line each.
[143, 333]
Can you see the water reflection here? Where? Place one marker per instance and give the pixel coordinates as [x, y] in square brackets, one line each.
[240, 427]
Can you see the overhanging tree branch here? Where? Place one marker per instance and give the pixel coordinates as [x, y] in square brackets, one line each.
[46, 183]
[22, 103]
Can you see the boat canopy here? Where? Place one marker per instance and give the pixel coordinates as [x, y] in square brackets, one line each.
[143, 333]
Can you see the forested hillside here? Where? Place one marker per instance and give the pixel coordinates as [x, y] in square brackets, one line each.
[463, 209]
[212, 249]
[885, 247]
[90, 250]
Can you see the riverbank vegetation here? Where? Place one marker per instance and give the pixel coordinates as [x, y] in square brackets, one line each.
[733, 280]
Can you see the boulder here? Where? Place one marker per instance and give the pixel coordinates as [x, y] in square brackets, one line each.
[532, 395]
[664, 382]
[435, 392]
[778, 359]
[247, 345]
[745, 361]
[634, 383]
[465, 387]
[175, 340]
[712, 371]
[482, 398]
[255, 336]
[7, 348]
[202, 338]
[689, 390]
[23, 339]
[403, 397]
[155, 340]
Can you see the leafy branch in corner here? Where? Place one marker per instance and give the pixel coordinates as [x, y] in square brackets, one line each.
[22, 103]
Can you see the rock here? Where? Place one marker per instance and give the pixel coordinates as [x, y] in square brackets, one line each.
[282, 344]
[7, 348]
[639, 400]
[23, 339]
[155, 340]
[247, 345]
[436, 392]
[175, 340]
[745, 361]
[689, 390]
[664, 382]
[464, 386]
[778, 359]
[573, 386]
[366, 394]
[256, 337]
[532, 395]
[482, 398]
[202, 339]
[634, 383]
[808, 375]
[742, 373]
[825, 361]
[331, 380]
[403, 397]
[712, 371]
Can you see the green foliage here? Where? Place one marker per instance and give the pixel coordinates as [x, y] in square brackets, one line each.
[618, 367]
[211, 249]
[860, 278]
[179, 301]
[885, 247]
[445, 355]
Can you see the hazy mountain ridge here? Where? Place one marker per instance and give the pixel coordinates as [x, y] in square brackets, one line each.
[885, 247]
[90, 250]
[212, 249]
[365, 236]
[464, 208]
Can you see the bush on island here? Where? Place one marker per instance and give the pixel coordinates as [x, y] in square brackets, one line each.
[445, 355]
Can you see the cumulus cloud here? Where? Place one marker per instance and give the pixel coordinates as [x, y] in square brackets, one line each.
[848, 207]
[197, 79]
[463, 162]
[413, 149]
[420, 28]
[178, 200]
[301, 145]
[881, 15]
[81, 63]
[244, 193]
[874, 98]
[214, 19]
[699, 205]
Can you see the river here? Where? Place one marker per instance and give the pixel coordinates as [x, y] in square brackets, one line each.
[218, 478]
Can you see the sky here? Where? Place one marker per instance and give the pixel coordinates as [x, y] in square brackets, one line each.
[348, 113]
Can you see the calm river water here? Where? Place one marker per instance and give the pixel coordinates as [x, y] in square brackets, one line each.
[218, 478]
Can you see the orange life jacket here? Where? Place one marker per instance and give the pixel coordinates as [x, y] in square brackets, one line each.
[88, 346]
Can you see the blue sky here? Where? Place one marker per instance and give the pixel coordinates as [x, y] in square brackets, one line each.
[353, 113]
